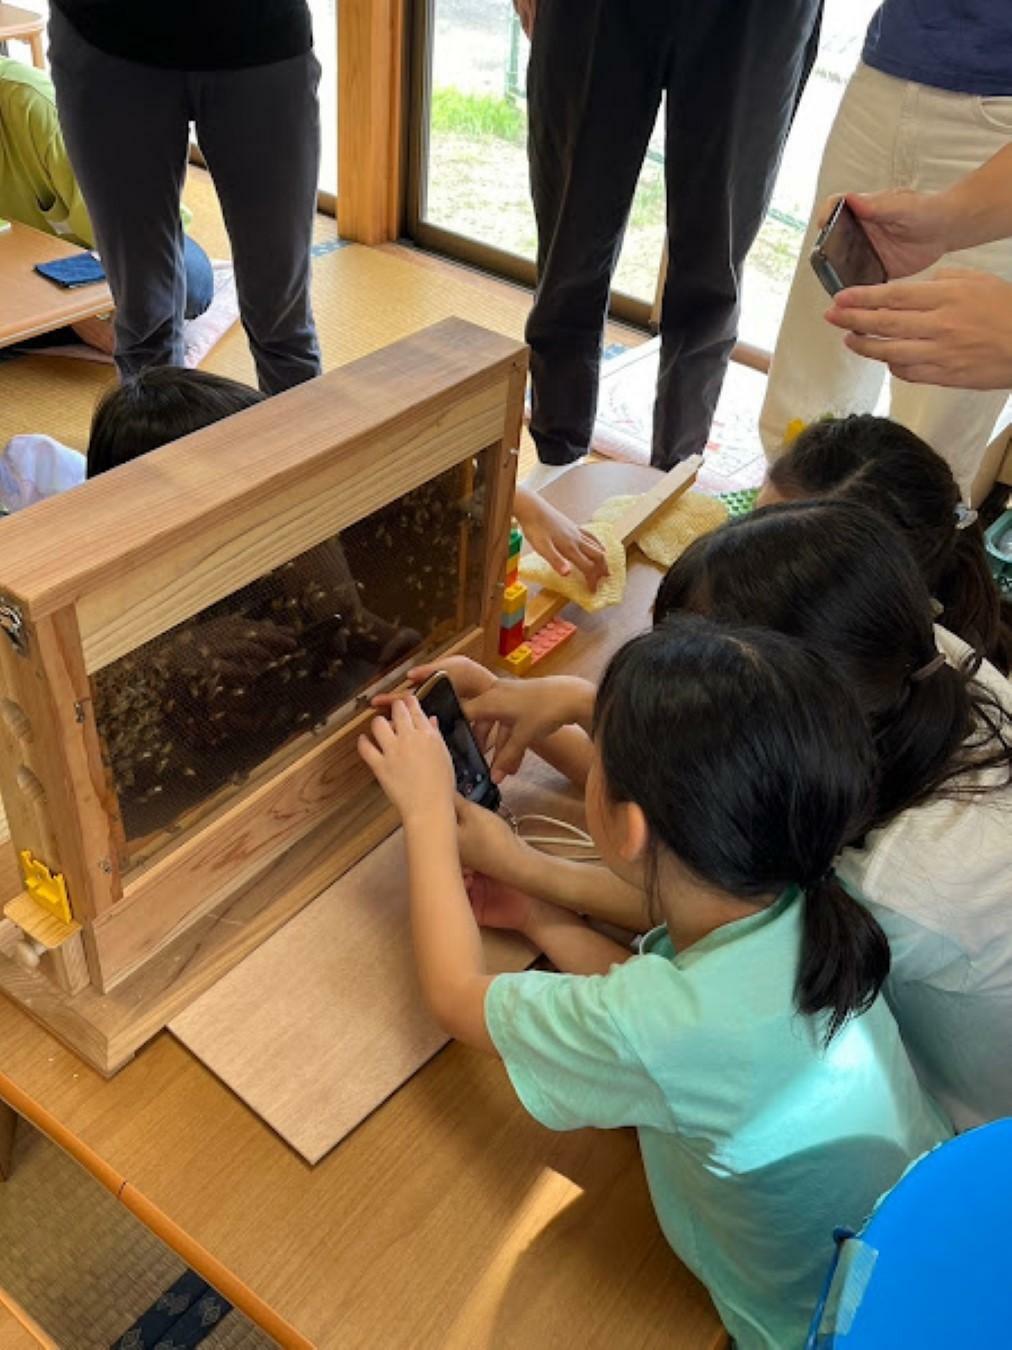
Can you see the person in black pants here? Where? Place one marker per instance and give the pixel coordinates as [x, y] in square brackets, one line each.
[130, 77]
[732, 72]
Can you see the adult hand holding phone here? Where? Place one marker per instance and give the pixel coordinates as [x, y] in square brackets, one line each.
[953, 328]
[908, 230]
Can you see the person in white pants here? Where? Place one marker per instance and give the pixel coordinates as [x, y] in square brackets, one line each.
[895, 132]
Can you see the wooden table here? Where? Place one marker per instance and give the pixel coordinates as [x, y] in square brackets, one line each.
[24, 25]
[449, 1220]
[30, 304]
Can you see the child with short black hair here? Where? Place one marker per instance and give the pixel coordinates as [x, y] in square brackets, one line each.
[157, 406]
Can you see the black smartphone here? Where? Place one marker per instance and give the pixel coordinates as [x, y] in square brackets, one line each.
[844, 255]
[439, 700]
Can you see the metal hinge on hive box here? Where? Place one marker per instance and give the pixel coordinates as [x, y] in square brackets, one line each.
[12, 621]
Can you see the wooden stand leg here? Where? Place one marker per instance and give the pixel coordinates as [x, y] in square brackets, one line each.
[8, 1125]
[38, 56]
[67, 965]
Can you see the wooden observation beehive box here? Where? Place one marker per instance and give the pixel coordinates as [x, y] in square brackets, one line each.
[188, 648]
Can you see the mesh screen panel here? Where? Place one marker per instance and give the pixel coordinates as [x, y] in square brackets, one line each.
[187, 719]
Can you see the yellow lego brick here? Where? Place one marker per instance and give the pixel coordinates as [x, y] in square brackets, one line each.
[514, 599]
[520, 659]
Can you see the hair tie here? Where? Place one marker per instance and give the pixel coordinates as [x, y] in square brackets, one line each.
[965, 516]
[823, 879]
[936, 663]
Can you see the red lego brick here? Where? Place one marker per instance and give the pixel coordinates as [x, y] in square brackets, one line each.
[547, 639]
[510, 638]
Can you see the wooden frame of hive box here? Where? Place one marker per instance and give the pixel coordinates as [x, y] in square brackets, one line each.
[88, 578]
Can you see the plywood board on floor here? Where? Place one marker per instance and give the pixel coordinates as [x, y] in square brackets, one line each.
[320, 1025]
[323, 1022]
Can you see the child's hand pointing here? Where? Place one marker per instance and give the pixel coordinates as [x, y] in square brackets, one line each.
[410, 761]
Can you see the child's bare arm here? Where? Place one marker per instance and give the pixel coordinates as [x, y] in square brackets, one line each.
[488, 845]
[413, 767]
[568, 941]
[569, 751]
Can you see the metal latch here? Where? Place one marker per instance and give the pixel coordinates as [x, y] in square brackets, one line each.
[12, 621]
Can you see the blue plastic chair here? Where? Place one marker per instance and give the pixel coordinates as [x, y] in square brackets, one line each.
[932, 1268]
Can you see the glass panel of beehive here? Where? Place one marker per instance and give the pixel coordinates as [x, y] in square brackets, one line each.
[217, 702]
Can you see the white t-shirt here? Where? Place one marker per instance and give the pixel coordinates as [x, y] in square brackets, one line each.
[939, 881]
[35, 467]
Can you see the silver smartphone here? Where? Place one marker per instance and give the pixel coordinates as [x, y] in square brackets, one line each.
[843, 254]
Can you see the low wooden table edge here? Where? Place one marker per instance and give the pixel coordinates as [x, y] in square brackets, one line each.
[33, 305]
[196, 1256]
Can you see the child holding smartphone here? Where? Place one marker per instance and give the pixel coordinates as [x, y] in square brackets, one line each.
[770, 1088]
[935, 864]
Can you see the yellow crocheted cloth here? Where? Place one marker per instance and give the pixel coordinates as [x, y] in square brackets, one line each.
[573, 587]
[688, 516]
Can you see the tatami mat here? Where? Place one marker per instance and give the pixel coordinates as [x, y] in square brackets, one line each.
[79, 1262]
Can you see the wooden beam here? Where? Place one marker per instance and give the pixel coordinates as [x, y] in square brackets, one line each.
[8, 1127]
[369, 120]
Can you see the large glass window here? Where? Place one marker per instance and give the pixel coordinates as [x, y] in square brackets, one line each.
[325, 43]
[473, 183]
[471, 190]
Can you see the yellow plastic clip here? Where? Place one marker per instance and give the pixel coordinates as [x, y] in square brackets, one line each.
[46, 888]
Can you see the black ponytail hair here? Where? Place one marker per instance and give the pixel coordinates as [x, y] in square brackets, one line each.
[752, 764]
[839, 577]
[881, 464]
[159, 405]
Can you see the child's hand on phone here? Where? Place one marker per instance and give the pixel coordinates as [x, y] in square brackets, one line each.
[410, 761]
[528, 711]
[469, 679]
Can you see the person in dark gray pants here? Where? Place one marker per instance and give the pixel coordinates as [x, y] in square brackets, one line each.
[732, 72]
[130, 77]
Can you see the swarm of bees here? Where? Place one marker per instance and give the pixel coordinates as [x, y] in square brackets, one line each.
[199, 707]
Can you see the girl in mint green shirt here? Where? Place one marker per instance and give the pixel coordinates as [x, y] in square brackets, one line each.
[746, 1041]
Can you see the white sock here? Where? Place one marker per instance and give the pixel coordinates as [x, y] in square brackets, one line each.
[543, 474]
